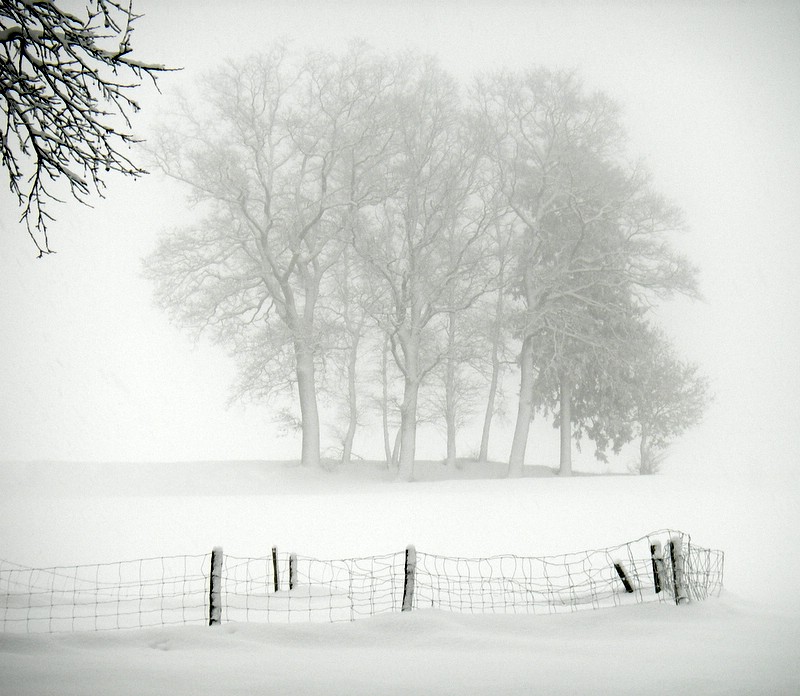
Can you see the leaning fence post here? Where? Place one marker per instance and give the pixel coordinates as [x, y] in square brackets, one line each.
[623, 575]
[215, 588]
[657, 559]
[676, 556]
[276, 580]
[411, 571]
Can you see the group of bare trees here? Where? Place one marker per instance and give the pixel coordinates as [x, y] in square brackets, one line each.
[385, 244]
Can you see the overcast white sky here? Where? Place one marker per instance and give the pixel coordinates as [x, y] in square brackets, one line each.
[90, 370]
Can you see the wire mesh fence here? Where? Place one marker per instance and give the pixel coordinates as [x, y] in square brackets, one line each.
[284, 587]
[126, 594]
[308, 589]
[634, 572]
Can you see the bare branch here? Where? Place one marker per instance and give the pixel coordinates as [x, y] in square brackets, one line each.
[65, 85]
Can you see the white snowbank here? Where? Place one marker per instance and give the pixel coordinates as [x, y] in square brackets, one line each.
[744, 642]
[717, 647]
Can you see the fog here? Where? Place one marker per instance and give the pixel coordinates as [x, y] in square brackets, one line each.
[90, 370]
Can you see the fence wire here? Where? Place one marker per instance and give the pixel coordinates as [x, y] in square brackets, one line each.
[283, 588]
[309, 589]
[126, 594]
[623, 574]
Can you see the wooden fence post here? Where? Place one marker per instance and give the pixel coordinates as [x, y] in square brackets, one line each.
[215, 588]
[679, 579]
[657, 559]
[277, 583]
[292, 571]
[408, 584]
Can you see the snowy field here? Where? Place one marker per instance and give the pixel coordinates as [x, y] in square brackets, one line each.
[745, 642]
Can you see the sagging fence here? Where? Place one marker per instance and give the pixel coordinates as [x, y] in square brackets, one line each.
[286, 587]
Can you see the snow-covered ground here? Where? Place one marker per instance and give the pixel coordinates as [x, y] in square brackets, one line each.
[747, 641]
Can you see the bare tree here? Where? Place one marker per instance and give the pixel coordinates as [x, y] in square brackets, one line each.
[410, 243]
[66, 84]
[277, 161]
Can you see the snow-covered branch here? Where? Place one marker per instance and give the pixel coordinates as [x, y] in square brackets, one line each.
[65, 84]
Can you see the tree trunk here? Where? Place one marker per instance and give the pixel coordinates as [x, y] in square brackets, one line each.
[450, 390]
[394, 461]
[408, 430]
[451, 441]
[483, 456]
[352, 404]
[519, 444]
[387, 447]
[354, 330]
[309, 413]
[565, 426]
[409, 344]
[645, 463]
